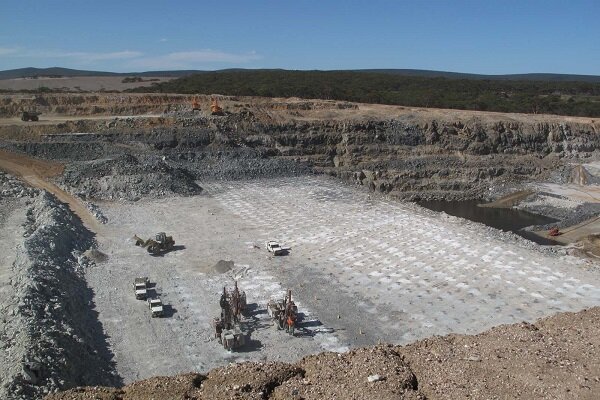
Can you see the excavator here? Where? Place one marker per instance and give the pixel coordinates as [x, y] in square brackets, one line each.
[195, 104]
[215, 109]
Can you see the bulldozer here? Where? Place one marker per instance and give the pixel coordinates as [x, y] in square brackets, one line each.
[227, 327]
[215, 109]
[160, 244]
[284, 313]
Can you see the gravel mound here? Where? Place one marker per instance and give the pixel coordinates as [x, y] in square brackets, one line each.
[51, 337]
[555, 358]
[247, 380]
[369, 373]
[11, 187]
[220, 267]
[128, 178]
[237, 164]
[95, 255]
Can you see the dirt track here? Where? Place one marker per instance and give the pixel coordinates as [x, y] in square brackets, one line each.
[37, 173]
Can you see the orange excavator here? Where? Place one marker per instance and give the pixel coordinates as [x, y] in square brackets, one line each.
[195, 104]
[215, 109]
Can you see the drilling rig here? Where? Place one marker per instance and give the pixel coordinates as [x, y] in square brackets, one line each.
[284, 313]
[227, 327]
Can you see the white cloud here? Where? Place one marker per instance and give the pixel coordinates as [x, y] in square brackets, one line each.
[7, 50]
[81, 56]
[136, 59]
[191, 59]
[163, 40]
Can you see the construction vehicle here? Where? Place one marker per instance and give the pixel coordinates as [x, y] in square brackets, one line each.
[215, 109]
[140, 287]
[160, 244]
[227, 327]
[554, 231]
[156, 307]
[274, 247]
[237, 299]
[231, 339]
[30, 115]
[195, 104]
[284, 313]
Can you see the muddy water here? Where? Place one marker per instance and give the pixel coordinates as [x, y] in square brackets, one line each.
[506, 219]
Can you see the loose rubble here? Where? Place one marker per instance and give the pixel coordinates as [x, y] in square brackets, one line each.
[52, 338]
[557, 357]
[11, 187]
[127, 178]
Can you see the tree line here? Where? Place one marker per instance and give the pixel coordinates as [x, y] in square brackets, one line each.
[549, 97]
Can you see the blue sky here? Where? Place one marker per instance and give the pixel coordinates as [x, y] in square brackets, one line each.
[488, 37]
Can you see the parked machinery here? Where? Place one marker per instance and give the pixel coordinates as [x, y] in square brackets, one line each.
[284, 313]
[140, 287]
[160, 244]
[30, 115]
[215, 108]
[156, 307]
[228, 326]
[196, 105]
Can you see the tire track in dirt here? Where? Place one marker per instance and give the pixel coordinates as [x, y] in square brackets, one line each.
[36, 172]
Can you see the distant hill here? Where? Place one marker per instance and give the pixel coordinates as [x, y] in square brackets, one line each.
[66, 72]
[508, 77]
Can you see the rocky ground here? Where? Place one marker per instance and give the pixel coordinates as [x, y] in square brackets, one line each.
[407, 153]
[555, 358]
[401, 273]
[50, 335]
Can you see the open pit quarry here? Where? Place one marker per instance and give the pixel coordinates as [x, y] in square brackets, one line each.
[395, 301]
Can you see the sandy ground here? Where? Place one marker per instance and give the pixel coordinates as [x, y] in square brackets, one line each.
[286, 109]
[367, 268]
[51, 119]
[35, 172]
[84, 83]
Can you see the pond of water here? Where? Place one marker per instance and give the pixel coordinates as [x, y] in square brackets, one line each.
[506, 219]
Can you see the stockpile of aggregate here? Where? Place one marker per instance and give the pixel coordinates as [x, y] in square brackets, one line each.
[50, 336]
[128, 177]
[237, 164]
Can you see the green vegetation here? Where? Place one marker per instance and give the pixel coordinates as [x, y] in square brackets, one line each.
[132, 79]
[552, 97]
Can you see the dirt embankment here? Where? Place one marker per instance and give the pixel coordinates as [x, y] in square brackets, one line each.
[555, 358]
[408, 154]
[113, 151]
[51, 337]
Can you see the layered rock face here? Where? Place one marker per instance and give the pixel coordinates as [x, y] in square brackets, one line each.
[427, 154]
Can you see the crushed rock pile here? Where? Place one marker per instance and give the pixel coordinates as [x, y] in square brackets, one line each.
[220, 267]
[51, 337]
[237, 164]
[556, 358]
[11, 187]
[127, 178]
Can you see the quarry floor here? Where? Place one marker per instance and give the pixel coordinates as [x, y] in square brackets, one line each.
[362, 269]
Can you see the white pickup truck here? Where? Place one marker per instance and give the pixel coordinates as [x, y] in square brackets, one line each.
[274, 247]
[156, 307]
[140, 286]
